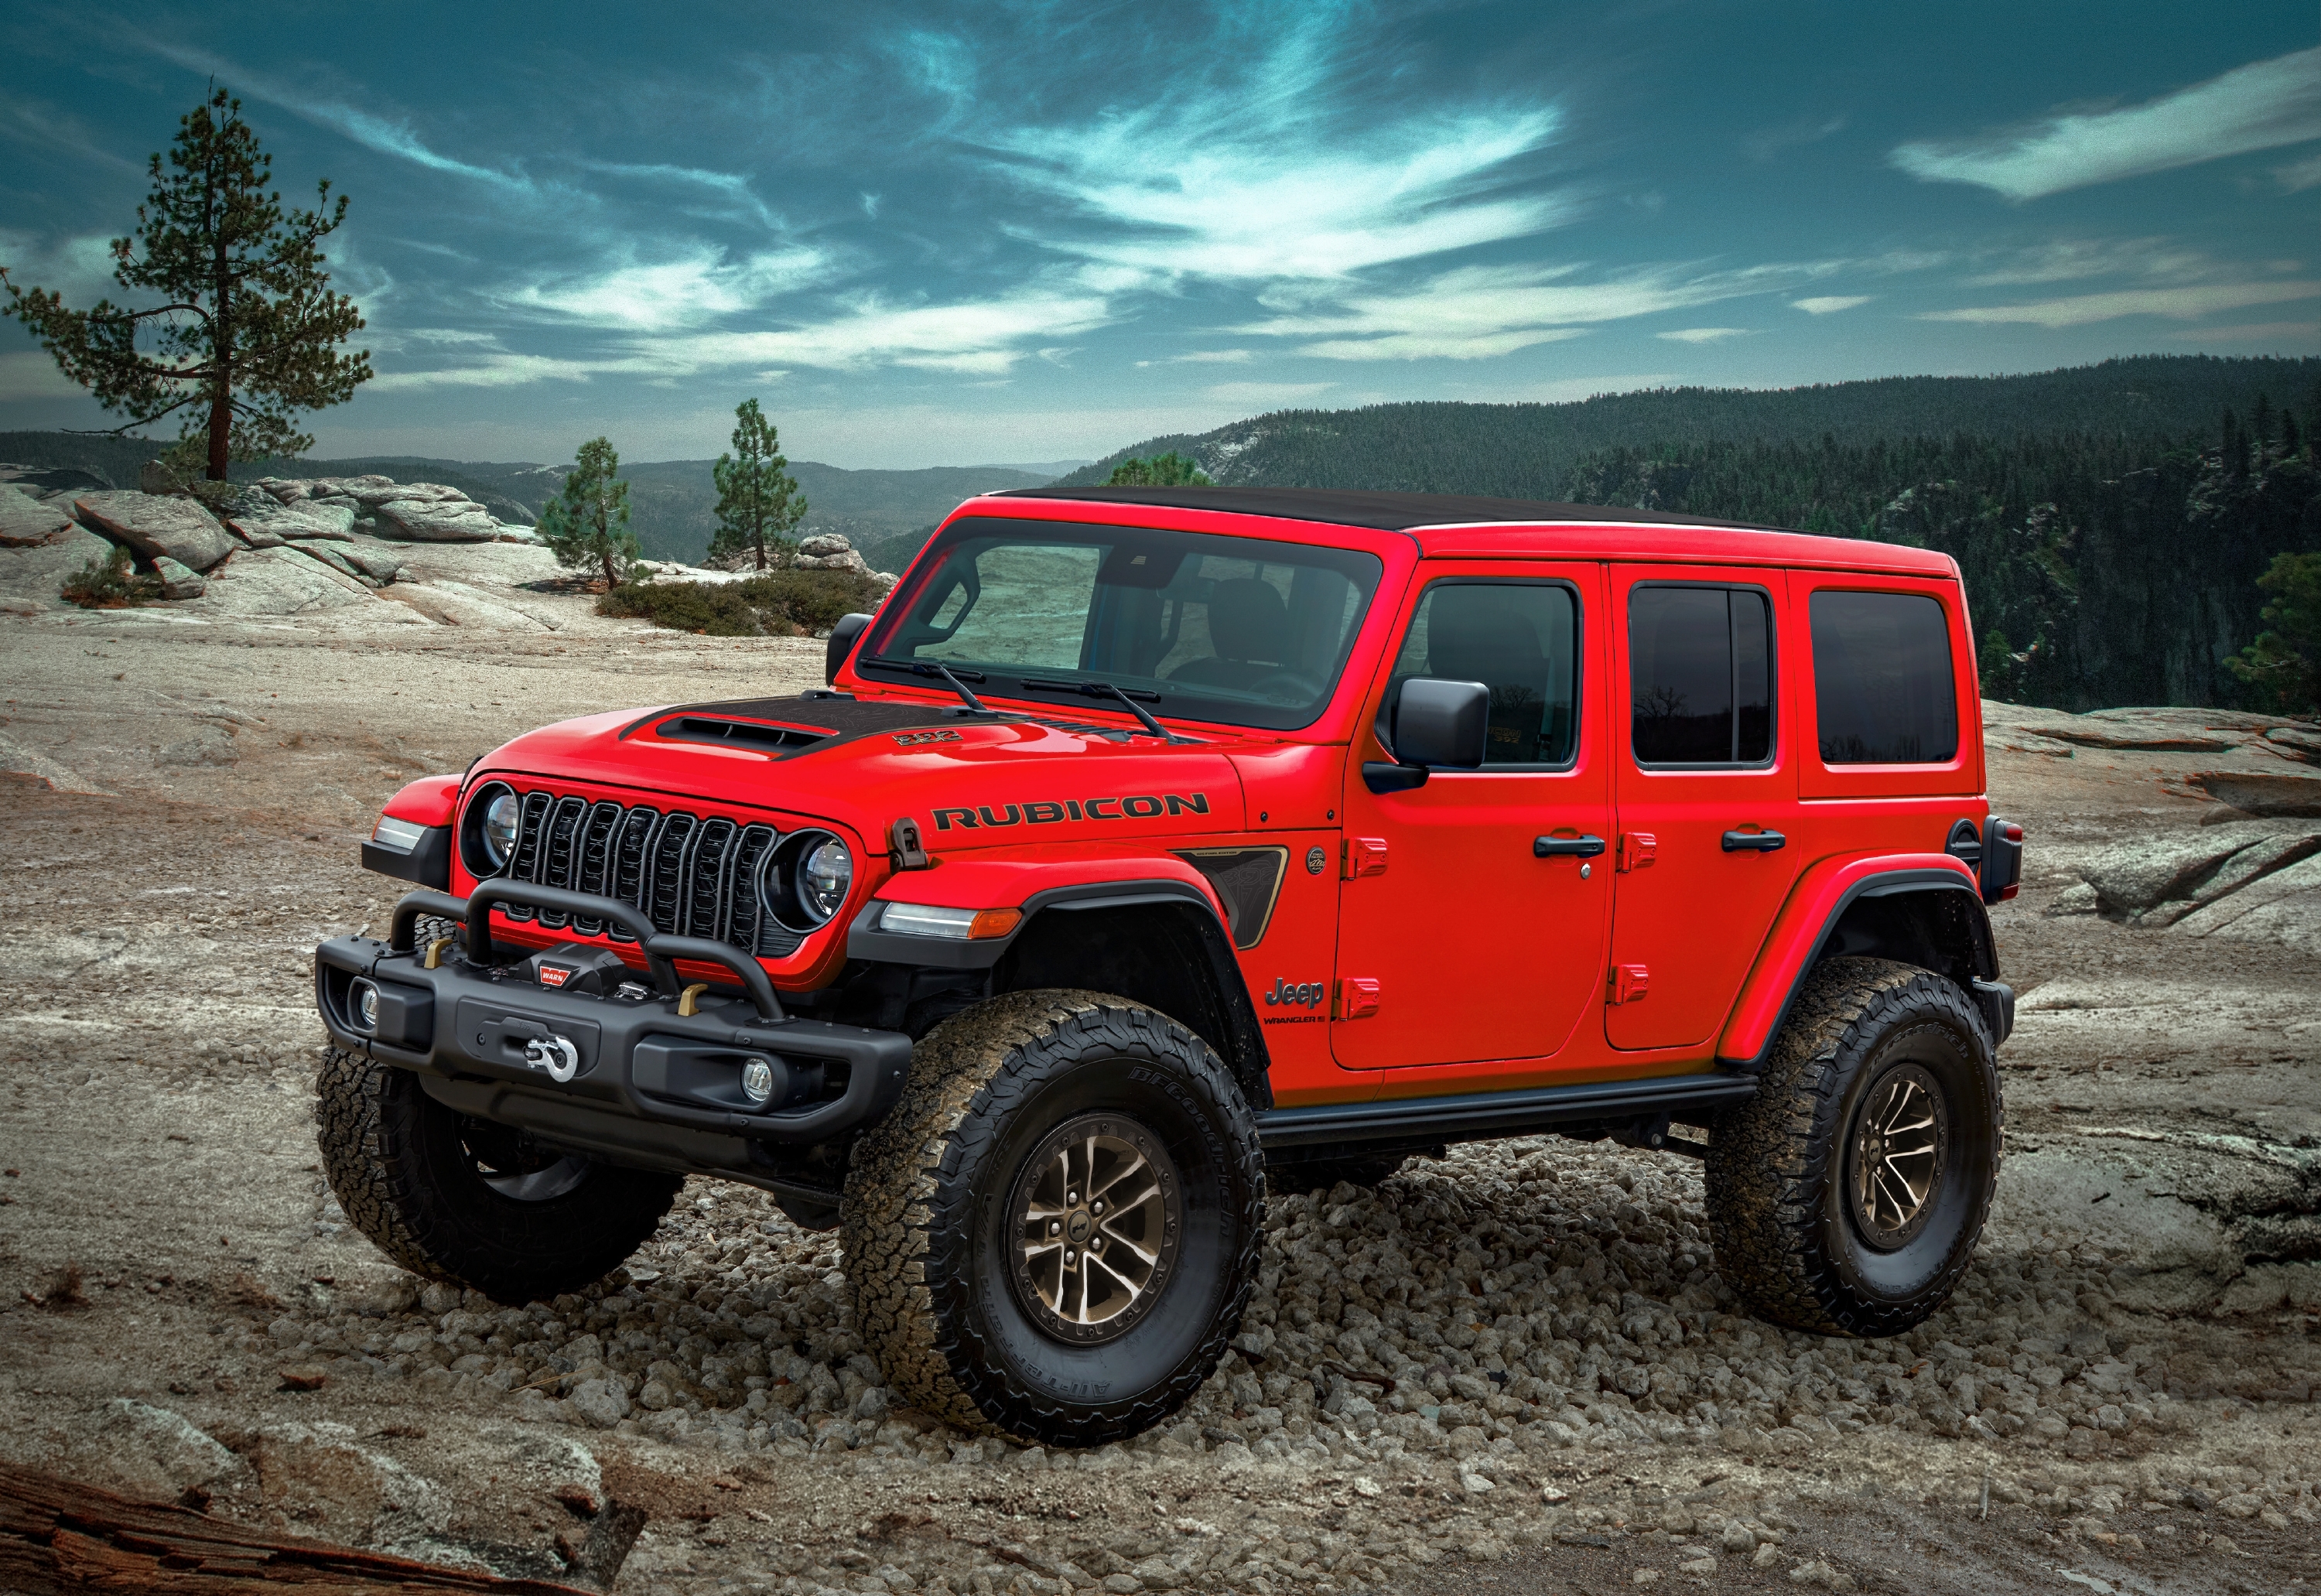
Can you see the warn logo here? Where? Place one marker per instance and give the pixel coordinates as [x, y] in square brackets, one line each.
[1143, 807]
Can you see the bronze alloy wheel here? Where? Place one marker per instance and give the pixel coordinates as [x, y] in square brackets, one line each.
[1101, 1214]
[1901, 1136]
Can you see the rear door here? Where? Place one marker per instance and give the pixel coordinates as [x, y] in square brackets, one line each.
[1460, 939]
[1707, 789]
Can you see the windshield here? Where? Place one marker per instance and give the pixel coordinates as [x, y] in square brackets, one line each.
[1189, 624]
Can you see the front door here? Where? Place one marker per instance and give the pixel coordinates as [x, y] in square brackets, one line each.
[1707, 796]
[1460, 936]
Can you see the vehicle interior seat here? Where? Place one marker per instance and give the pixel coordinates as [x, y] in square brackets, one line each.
[1249, 627]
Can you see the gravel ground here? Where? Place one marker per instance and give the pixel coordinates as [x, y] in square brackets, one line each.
[1512, 1369]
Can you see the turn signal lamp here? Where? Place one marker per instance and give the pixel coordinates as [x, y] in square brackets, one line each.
[953, 925]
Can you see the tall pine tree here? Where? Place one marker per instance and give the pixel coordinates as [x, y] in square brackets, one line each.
[248, 330]
[758, 502]
[587, 525]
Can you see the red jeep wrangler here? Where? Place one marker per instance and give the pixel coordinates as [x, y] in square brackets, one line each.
[1154, 844]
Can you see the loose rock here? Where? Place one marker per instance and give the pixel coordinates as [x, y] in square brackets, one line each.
[152, 526]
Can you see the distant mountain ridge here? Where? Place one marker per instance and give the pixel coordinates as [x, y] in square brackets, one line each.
[1528, 450]
[672, 503]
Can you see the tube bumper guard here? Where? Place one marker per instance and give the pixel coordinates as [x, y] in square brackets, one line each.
[646, 1072]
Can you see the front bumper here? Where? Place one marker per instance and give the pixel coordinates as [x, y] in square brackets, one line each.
[652, 1079]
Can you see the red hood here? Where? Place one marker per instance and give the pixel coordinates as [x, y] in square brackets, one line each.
[863, 763]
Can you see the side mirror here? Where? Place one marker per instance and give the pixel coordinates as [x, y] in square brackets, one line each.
[842, 642]
[1442, 724]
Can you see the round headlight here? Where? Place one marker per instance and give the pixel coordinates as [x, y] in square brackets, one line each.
[365, 997]
[503, 820]
[824, 877]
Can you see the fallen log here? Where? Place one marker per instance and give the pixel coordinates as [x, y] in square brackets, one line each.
[59, 1537]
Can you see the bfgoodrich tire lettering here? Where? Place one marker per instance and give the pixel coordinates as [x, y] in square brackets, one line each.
[931, 1238]
[1790, 1236]
[463, 1202]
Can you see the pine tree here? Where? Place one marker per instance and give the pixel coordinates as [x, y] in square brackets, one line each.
[248, 330]
[1171, 470]
[587, 525]
[758, 502]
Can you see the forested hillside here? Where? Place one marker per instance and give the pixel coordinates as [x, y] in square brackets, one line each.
[1524, 450]
[2101, 570]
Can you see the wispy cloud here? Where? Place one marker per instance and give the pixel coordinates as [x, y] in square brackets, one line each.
[2255, 332]
[2260, 107]
[1475, 312]
[741, 198]
[1769, 143]
[383, 134]
[688, 290]
[1703, 334]
[976, 338]
[1265, 393]
[2072, 259]
[2298, 175]
[1275, 165]
[1822, 305]
[2182, 303]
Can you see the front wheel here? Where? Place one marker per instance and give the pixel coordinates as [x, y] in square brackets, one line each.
[471, 1203]
[1053, 1234]
[1846, 1197]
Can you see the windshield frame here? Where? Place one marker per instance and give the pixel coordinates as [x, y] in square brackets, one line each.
[1364, 568]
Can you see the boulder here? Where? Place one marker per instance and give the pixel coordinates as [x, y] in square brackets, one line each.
[331, 555]
[31, 575]
[2262, 792]
[436, 521]
[25, 521]
[154, 526]
[296, 522]
[154, 477]
[2143, 873]
[2297, 742]
[829, 552]
[177, 581]
[2284, 906]
[281, 582]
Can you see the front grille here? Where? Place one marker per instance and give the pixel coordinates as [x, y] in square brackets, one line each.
[690, 876]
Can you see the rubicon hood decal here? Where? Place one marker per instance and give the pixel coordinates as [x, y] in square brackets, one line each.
[1046, 812]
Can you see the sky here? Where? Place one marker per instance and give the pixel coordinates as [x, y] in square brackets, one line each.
[950, 236]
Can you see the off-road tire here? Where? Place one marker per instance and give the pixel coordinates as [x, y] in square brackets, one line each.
[928, 1232]
[1779, 1211]
[1294, 1177]
[395, 1158]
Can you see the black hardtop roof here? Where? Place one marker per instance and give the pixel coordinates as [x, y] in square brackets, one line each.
[1387, 511]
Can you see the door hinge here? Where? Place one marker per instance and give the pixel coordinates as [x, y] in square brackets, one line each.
[1637, 851]
[1364, 856]
[1358, 998]
[1630, 982]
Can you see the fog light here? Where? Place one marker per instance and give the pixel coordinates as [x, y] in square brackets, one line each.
[758, 1081]
[362, 999]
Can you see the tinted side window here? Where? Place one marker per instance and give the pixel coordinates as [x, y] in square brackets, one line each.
[1883, 689]
[1519, 638]
[1700, 675]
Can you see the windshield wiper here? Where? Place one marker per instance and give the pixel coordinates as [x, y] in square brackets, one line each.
[1105, 690]
[937, 668]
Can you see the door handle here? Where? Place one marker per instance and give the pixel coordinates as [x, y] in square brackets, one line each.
[1580, 847]
[1753, 841]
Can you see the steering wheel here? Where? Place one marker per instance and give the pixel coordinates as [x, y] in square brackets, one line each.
[1280, 681]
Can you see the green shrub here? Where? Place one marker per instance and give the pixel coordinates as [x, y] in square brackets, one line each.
[108, 582]
[778, 603]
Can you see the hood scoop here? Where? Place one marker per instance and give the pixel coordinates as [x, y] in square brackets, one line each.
[743, 734]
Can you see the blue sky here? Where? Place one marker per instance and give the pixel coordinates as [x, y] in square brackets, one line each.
[949, 234]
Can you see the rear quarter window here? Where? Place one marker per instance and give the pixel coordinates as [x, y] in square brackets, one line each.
[1884, 690]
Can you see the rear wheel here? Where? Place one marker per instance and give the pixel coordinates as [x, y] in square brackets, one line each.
[1847, 1196]
[1053, 1234]
[469, 1202]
